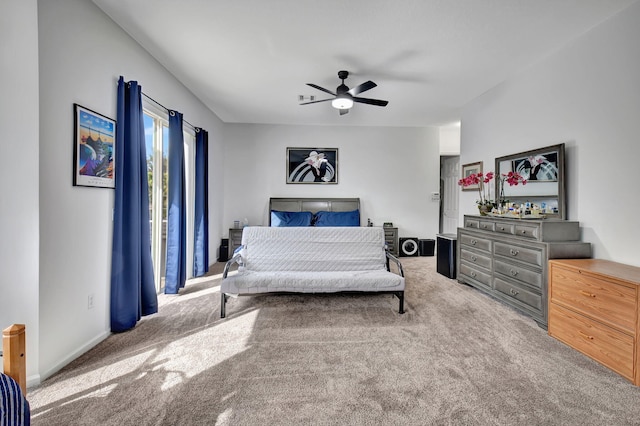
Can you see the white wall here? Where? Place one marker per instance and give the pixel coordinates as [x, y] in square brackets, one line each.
[392, 170]
[586, 95]
[82, 54]
[19, 172]
[450, 140]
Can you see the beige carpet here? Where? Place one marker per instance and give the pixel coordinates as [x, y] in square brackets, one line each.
[457, 357]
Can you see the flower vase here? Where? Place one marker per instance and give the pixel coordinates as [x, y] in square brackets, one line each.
[484, 209]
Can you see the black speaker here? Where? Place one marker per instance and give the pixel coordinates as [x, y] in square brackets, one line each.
[446, 263]
[426, 247]
[224, 250]
[409, 247]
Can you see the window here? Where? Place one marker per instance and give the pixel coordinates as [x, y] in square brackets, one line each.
[156, 127]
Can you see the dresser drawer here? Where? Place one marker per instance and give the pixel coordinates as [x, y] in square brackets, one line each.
[533, 278]
[532, 256]
[487, 226]
[471, 223]
[519, 293]
[475, 242]
[505, 228]
[475, 258]
[527, 231]
[475, 274]
[602, 343]
[599, 298]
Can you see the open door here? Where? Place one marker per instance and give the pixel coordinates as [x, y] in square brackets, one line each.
[449, 176]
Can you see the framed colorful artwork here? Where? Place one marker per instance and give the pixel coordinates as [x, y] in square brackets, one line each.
[93, 149]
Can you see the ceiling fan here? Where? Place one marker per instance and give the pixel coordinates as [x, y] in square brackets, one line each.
[345, 97]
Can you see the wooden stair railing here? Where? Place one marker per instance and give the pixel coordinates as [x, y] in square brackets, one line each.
[13, 354]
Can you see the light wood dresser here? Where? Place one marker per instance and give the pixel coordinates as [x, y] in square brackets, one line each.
[594, 308]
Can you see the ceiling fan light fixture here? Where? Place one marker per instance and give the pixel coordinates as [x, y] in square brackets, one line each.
[342, 102]
[344, 97]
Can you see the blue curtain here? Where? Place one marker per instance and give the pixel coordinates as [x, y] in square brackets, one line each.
[201, 226]
[176, 273]
[132, 289]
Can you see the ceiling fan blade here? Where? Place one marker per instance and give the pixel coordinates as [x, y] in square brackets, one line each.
[377, 102]
[367, 85]
[315, 86]
[315, 102]
[344, 111]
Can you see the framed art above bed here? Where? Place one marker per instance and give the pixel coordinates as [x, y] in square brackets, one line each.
[312, 165]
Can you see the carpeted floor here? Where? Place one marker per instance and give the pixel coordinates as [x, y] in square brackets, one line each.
[457, 357]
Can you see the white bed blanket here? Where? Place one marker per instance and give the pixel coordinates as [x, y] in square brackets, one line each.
[310, 260]
[312, 282]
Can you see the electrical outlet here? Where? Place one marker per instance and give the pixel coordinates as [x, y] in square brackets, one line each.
[90, 301]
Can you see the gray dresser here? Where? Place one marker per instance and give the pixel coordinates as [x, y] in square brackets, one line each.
[508, 258]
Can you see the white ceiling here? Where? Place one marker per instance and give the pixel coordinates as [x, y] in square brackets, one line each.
[249, 60]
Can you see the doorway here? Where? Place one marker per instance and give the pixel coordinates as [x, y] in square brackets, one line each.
[449, 176]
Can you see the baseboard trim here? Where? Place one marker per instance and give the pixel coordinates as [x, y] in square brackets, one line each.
[75, 354]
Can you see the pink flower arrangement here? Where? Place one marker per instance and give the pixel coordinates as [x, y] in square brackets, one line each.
[513, 179]
[479, 179]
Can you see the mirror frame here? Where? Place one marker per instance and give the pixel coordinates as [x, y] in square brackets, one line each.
[561, 193]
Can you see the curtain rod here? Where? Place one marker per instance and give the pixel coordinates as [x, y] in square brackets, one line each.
[195, 129]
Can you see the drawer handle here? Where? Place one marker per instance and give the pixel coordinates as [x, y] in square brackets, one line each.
[473, 274]
[514, 272]
[473, 258]
[502, 228]
[585, 335]
[513, 292]
[586, 293]
[524, 231]
[514, 252]
[473, 242]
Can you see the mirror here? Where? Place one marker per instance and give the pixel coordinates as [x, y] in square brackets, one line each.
[544, 171]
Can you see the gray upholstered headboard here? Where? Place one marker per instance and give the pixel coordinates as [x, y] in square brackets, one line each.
[313, 205]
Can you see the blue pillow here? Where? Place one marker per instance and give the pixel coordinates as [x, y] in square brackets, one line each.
[351, 218]
[290, 218]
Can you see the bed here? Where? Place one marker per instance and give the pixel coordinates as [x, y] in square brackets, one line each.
[313, 245]
[314, 204]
